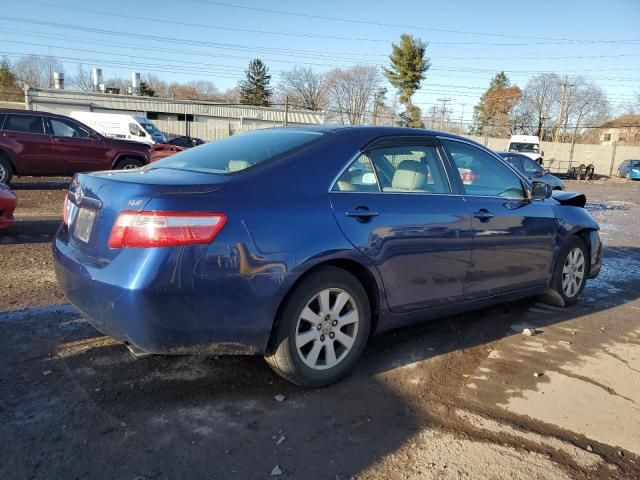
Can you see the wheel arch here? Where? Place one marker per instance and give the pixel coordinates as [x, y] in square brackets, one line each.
[357, 269]
[125, 155]
[6, 155]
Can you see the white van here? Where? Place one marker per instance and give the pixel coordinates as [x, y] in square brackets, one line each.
[122, 126]
[528, 145]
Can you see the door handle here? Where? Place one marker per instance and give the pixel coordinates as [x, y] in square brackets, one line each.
[361, 213]
[483, 215]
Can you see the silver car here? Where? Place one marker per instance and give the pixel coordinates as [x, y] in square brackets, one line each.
[532, 169]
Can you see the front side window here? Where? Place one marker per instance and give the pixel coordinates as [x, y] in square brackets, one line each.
[63, 128]
[482, 174]
[24, 123]
[135, 130]
[238, 152]
[531, 167]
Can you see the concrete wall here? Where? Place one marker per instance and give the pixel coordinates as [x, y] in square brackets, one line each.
[557, 155]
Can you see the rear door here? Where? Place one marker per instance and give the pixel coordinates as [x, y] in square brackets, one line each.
[25, 135]
[395, 204]
[74, 148]
[513, 237]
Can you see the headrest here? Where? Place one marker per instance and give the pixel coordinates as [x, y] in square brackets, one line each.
[410, 175]
[237, 165]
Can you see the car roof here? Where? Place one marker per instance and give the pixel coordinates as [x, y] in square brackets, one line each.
[32, 112]
[373, 131]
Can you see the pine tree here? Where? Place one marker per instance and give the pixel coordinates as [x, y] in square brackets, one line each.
[408, 67]
[255, 89]
[146, 90]
[481, 114]
[8, 79]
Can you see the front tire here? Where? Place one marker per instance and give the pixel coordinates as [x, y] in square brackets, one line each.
[570, 274]
[5, 171]
[129, 164]
[322, 330]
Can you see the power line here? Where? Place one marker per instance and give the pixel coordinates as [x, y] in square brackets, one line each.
[404, 27]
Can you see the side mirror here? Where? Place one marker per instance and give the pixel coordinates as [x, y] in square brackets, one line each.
[540, 191]
[542, 153]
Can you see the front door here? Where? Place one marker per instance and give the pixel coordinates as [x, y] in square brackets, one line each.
[395, 205]
[513, 237]
[75, 149]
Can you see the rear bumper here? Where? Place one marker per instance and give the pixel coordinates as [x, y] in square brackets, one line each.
[225, 314]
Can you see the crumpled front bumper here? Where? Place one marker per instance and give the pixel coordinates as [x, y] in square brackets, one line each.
[595, 262]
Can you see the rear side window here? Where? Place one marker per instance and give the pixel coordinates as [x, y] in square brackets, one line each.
[238, 152]
[24, 123]
[2, 117]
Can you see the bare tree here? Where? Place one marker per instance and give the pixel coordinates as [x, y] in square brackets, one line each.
[82, 79]
[539, 100]
[586, 105]
[194, 90]
[304, 88]
[350, 93]
[37, 71]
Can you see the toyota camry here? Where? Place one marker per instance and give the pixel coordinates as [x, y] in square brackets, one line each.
[298, 244]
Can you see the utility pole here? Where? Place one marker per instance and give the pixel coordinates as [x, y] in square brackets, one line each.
[461, 119]
[433, 117]
[560, 126]
[444, 111]
[286, 110]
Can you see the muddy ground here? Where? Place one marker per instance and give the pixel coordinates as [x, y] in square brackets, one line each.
[452, 398]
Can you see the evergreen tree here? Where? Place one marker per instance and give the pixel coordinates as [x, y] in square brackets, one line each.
[408, 67]
[146, 90]
[255, 89]
[8, 79]
[481, 114]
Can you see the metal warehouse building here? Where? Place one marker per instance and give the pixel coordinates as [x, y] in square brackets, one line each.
[206, 120]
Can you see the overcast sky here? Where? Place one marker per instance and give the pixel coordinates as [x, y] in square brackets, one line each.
[202, 39]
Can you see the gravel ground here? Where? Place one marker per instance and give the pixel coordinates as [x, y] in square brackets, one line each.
[451, 398]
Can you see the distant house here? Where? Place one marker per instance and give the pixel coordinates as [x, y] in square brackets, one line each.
[625, 130]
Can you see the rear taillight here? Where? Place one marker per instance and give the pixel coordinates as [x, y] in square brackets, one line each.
[164, 229]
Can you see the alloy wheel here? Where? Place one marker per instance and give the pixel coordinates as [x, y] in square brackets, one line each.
[573, 272]
[327, 329]
[4, 174]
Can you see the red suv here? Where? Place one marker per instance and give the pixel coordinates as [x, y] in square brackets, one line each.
[46, 144]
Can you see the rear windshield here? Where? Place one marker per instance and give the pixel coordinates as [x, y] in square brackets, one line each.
[238, 152]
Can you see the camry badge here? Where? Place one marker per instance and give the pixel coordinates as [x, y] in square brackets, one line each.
[135, 203]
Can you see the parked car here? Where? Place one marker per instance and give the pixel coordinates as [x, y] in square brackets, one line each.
[299, 243]
[532, 169]
[528, 145]
[8, 203]
[629, 169]
[164, 150]
[135, 128]
[47, 144]
[186, 142]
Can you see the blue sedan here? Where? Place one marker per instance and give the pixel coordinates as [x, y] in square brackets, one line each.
[300, 243]
[629, 169]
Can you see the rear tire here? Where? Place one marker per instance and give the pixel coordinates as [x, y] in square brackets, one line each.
[570, 274]
[129, 164]
[322, 330]
[6, 172]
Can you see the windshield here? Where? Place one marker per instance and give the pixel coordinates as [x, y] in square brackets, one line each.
[150, 128]
[237, 152]
[524, 147]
